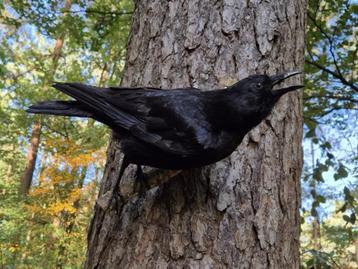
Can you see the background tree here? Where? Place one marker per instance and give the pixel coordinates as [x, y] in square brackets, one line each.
[30, 164]
[243, 211]
[48, 227]
[331, 137]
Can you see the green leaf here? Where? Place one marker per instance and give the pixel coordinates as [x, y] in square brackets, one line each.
[326, 145]
[310, 263]
[346, 218]
[321, 199]
[346, 191]
[314, 212]
[313, 193]
[348, 197]
[311, 133]
[341, 172]
[317, 172]
[343, 208]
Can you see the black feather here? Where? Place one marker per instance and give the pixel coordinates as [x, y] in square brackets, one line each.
[173, 129]
[62, 108]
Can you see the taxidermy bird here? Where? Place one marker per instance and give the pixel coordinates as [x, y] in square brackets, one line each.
[173, 129]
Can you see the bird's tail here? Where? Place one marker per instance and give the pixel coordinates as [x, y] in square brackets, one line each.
[62, 108]
[89, 101]
[90, 96]
[84, 106]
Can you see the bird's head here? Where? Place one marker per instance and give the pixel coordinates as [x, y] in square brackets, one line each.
[250, 100]
[262, 85]
[255, 95]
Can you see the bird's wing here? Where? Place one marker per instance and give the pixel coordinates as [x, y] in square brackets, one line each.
[173, 120]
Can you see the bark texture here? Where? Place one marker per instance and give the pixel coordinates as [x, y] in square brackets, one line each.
[243, 211]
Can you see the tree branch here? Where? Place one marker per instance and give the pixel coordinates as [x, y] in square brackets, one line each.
[332, 96]
[330, 41]
[334, 74]
[338, 74]
[325, 113]
[102, 12]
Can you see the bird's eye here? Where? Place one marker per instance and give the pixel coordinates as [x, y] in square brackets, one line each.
[258, 85]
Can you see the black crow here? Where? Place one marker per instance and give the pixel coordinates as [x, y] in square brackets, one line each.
[173, 129]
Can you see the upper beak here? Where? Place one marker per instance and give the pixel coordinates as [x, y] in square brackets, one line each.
[279, 78]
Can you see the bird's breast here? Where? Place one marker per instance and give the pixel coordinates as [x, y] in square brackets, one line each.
[141, 153]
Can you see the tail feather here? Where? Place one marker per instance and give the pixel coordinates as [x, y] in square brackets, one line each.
[88, 95]
[89, 102]
[97, 100]
[63, 108]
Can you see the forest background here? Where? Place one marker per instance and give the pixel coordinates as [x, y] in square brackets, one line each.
[50, 167]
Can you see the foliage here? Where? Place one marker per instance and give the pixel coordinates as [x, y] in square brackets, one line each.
[336, 244]
[331, 138]
[47, 228]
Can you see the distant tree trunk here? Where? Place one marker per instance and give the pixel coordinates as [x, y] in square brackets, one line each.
[28, 174]
[242, 212]
[31, 158]
[316, 233]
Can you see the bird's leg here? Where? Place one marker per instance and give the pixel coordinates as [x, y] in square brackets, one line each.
[115, 193]
[141, 180]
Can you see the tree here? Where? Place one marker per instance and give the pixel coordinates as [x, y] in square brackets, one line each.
[47, 227]
[243, 211]
[27, 176]
[330, 115]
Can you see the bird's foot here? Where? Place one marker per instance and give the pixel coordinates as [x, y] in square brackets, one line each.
[109, 199]
[142, 181]
[117, 200]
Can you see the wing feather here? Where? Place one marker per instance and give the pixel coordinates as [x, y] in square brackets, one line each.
[172, 120]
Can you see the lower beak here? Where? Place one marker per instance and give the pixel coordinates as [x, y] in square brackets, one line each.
[279, 78]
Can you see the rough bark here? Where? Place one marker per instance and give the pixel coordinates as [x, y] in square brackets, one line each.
[243, 211]
[35, 140]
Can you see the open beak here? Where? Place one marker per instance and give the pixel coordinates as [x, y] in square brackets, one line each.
[280, 78]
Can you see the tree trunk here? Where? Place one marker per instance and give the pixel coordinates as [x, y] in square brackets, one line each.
[28, 174]
[242, 212]
[31, 158]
